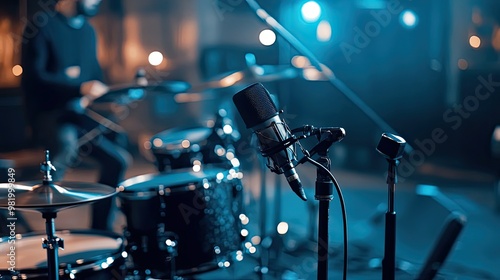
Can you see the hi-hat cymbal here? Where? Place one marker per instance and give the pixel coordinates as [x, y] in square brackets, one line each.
[51, 197]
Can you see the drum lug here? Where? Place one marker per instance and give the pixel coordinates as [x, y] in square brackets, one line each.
[49, 244]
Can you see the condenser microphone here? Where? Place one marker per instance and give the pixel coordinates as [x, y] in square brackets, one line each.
[259, 113]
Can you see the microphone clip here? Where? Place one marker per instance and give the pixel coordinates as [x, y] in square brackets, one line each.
[309, 130]
[326, 136]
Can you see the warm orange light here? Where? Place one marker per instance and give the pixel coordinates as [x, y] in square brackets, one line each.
[324, 31]
[475, 41]
[231, 79]
[495, 40]
[312, 74]
[185, 143]
[300, 61]
[17, 70]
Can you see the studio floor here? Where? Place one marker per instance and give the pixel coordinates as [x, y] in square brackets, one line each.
[422, 205]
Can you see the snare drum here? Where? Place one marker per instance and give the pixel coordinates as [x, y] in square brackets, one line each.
[192, 147]
[86, 255]
[198, 211]
[181, 148]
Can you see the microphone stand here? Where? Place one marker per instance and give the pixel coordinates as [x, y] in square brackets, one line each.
[325, 182]
[324, 194]
[391, 146]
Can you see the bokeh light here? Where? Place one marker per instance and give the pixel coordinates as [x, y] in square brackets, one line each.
[324, 31]
[17, 70]
[155, 58]
[311, 11]
[475, 41]
[267, 37]
[408, 19]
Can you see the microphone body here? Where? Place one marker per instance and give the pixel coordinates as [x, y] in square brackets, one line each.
[260, 115]
[271, 133]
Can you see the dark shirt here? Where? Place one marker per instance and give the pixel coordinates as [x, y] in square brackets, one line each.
[47, 54]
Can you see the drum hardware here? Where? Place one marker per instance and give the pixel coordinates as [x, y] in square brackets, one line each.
[48, 198]
[167, 240]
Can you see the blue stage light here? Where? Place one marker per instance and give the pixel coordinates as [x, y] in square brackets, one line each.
[311, 11]
[408, 19]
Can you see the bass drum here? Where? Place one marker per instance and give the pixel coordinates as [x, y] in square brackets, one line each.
[89, 255]
[182, 222]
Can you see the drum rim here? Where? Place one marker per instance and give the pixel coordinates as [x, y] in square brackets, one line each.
[67, 231]
[208, 173]
[175, 144]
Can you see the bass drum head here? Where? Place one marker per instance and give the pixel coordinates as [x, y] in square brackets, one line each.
[86, 255]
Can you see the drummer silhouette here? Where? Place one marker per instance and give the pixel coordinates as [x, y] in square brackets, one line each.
[61, 76]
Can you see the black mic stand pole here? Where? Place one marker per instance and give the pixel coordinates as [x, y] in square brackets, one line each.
[389, 261]
[391, 146]
[324, 194]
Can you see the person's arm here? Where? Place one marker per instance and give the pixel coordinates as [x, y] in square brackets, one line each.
[56, 85]
[35, 59]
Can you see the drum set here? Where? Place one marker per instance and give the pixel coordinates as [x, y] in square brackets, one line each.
[183, 220]
[186, 219]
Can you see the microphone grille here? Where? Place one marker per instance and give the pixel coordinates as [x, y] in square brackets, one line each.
[254, 105]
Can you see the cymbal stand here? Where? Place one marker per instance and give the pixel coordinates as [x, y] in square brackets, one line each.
[52, 243]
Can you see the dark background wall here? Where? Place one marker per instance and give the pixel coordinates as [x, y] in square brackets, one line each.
[409, 77]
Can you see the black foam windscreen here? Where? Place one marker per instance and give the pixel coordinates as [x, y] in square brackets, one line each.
[254, 105]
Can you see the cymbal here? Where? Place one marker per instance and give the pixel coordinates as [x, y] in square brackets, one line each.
[167, 86]
[252, 74]
[51, 197]
[125, 93]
